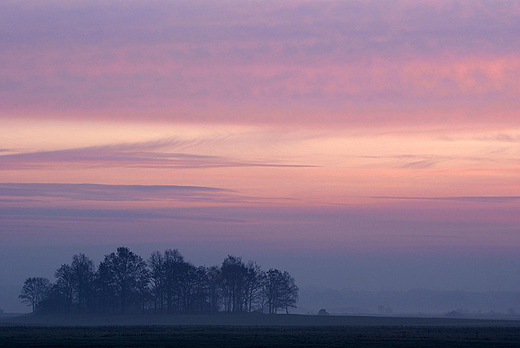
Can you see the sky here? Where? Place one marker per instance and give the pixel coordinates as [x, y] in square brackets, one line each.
[361, 144]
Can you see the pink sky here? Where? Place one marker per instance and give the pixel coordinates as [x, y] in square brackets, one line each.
[317, 126]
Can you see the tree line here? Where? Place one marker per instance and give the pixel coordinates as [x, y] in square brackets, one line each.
[165, 283]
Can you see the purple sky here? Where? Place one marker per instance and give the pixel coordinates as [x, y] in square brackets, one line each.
[364, 144]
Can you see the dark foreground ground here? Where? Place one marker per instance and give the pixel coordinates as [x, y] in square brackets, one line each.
[260, 331]
[240, 336]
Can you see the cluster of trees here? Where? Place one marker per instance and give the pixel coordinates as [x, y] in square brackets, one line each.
[166, 283]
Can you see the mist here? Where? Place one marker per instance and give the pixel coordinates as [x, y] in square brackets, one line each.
[343, 283]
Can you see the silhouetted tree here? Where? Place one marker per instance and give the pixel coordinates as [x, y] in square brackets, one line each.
[126, 276]
[105, 289]
[123, 282]
[74, 288]
[272, 289]
[83, 276]
[253, 285]
[187, 283]
[279, 290]
[63, 289]
[157, 269]
[173, 268]
[201, 291]
[234, 275]
[55, 301]
[214, 291]
[289, 295]
[34, 291]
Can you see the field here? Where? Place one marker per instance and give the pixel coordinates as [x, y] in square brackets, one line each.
[311, 332]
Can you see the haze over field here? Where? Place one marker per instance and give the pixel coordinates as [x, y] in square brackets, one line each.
[370, 145]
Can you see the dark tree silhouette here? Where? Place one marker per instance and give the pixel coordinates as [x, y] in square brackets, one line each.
[201, 295]
[124, 283]
[63, 289]
[289, 295]
[126, 276]
[187, 283]
[84, 276]
[272, 289]
[214, 291]
[253, 286]
[105, 289]
[157, 269]
[234, 275]
[75, 286]
[173, 268]
[34, 291]
[279, 290]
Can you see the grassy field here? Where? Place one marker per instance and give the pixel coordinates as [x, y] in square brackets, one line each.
[266, 336]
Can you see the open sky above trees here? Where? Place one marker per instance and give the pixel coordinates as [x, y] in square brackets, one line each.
[365, 144]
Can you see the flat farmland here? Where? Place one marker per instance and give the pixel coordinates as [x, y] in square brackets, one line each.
[249, 336]
[255, 331]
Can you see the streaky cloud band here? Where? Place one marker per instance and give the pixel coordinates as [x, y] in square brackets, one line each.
[489, 199]
[138, 155]
[100, 192]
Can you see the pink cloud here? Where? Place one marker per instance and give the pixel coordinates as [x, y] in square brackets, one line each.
[137, 155]
[185, 61]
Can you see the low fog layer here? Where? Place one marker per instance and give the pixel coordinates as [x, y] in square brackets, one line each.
[342, 283]
[416, 302]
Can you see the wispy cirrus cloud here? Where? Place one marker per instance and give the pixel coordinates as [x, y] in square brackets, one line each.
[500, 137]
[97, 192]
[478, 199]
[423, 164]
[407, 161]
[425, 161]
[140, 155]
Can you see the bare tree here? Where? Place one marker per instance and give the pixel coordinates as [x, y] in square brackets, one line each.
[34, 291]
[156, 264]
[289, 295]
[253, 285]
[279, 290]
[124, 282]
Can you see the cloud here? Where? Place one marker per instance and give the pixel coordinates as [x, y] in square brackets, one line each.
[380, 23]
[425, 161]
[500, 137]
[476, 199]
[127, 155]
[97, 192]
[110, 215]
[355, 62]
[418, 164]
[409, 161]
[11, 201]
